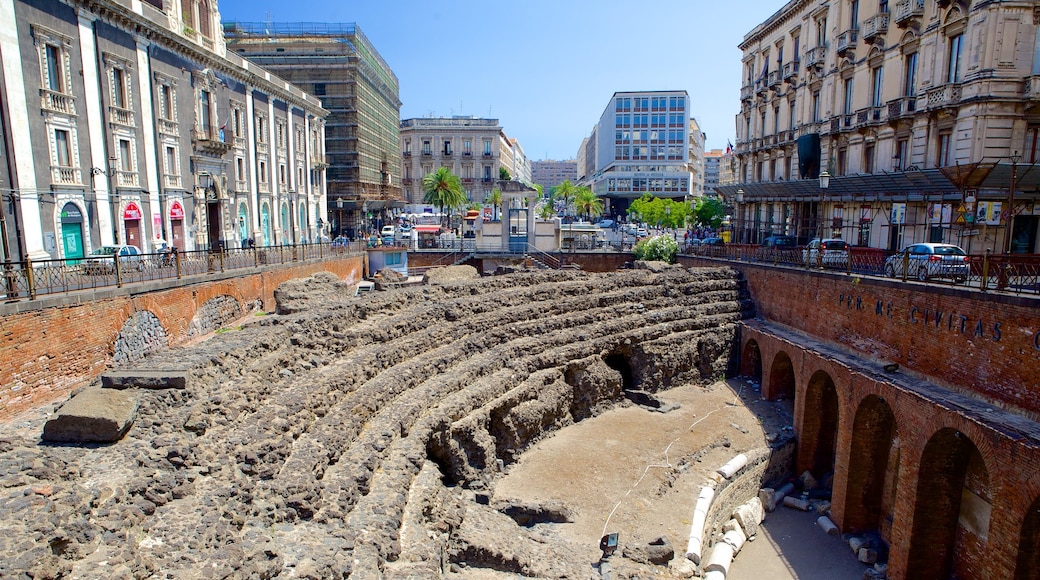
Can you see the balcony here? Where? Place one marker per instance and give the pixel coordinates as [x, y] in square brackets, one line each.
[842, 123]
[427, 153]
[774, 79]
[261, 148]
[120, 116]
[790, 73]
[488, 155]
[847, 41]
[407, 181]
[126, 178]
[446, 153]
[761, 86]
[902, 107]
[319, 162]
[868, 116]
[1032, 88]
[406, 154]
[467, 153]
[875, 27]
[171, 180]
[747, 92]
[210, 140]
[814, 56]
[57, 102]
[66, 175]
[946, 96]
[167, 127]
[908, 12]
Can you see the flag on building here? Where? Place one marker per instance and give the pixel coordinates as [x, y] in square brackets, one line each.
[729, 147]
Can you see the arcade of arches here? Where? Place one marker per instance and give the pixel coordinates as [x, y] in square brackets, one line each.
[949, 481]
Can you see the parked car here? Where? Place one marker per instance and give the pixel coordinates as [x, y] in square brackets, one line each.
[387, 232]
[924, 261]
[780, 241]
[828, 252]
[713, 242]
[103, 260]
[605, 224]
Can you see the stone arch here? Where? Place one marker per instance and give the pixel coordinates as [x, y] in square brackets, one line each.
[781, 378]
[141, 334]
[214, 313]
[1028, 564]
[751, 361]
[873, 466]
[952, 509]
[818, 439]
[621, 364]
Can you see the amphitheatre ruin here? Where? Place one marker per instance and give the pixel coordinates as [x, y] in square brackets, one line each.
[384, 435]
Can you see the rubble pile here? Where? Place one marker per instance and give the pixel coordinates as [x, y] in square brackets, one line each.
[359, 435]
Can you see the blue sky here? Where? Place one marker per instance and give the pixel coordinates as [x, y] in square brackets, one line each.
[545, 69]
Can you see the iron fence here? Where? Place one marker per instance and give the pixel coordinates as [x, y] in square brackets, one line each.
[33, 278]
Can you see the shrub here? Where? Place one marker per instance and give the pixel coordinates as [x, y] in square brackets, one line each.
[657, 248]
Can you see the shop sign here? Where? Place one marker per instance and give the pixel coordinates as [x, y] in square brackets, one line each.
[132, 212]
[176, 211]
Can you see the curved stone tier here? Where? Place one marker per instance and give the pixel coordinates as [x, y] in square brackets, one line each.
[352, 435]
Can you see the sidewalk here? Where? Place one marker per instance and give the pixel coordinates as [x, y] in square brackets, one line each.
[791, 545]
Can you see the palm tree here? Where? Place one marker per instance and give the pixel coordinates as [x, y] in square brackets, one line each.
[587, 203]
[565, 193]
[495, 200]
[443, 189]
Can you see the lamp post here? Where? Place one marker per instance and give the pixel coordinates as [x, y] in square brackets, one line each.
[740, 215]
[1011, 202]
[825, 182]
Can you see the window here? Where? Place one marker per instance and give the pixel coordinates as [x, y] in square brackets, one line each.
[776, 119]
[282, 175]
[119, 89]
[171, 160]
[240, 169]
[204, 111]
[816, 106]
[62, 153]
[487, 147]
[821, 32]
[280, 134]
[843, 155]
[126, 162]
[261, 128]
[54, 71]
[910, 75]
[427, 148]
[953, 74]
[847, 103]
[447, 147]
[902, 153]
[883, 6]
[876, 77]
[467, 146]
[868, 158]
[319, 90]
[1031, 152]
[487, 173]
[854, 15]
[942, 158]
[790, 116]
[166, 102]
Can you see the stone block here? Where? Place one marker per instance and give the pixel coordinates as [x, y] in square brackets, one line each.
[767, 496]
[867, 555]
[749, 515]
[146, 379]
[94, 415]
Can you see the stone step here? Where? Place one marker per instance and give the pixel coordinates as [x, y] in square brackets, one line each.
[93, 415]
[146, 379]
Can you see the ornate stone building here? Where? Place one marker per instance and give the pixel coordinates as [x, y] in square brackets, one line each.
[127, 122]
[923, 113]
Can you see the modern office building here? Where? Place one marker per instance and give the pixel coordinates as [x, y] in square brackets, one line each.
[126, 123]
[338, 64]
[923, 114]
[472, 148]
[642, 146]
[549, 173]
[712, 167]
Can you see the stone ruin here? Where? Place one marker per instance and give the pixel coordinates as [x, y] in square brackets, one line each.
[358, 436]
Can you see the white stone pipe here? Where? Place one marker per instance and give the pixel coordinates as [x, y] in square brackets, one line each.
[796, 503]
[715, 575]
[827, 525]
[700, 515]
[735, 538]
[781, 493]
[721, 558]
[733, 466]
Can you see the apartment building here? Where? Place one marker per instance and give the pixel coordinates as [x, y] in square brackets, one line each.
[339, 64]
[642, 146]
[549, 173]
[923, 113]
[127, 123]
[472, 148]
[697, 159]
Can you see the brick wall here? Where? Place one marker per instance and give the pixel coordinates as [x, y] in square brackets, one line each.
[986, 343]
[40, 367]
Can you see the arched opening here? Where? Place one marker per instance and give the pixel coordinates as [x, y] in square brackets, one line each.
[265, 223]
[781, 378]
[286, 225]
[620, 364]
[72, 232]
[818, 440]
[751, 361]
[243, 224]
[952, 510]
[873, 466]
[1028, 565]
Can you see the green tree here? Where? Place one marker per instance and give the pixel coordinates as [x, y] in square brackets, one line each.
[564, 193]
[709, 212]
[495, 201]
[587, 204]
[443, 189]
[503, 174]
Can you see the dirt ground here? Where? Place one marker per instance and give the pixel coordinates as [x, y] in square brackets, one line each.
[638, 472]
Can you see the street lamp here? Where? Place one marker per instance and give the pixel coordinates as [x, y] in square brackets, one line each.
[740, 215]
[825, 182]
[1011, 202]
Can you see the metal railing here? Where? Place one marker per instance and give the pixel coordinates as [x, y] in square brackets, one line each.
[33, 278]
[1016, 273]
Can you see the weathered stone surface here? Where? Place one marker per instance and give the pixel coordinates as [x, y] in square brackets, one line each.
[146, 379]
[658, 552]
[93, 415]
[450, 274]
[351, 435]
[749, 515]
